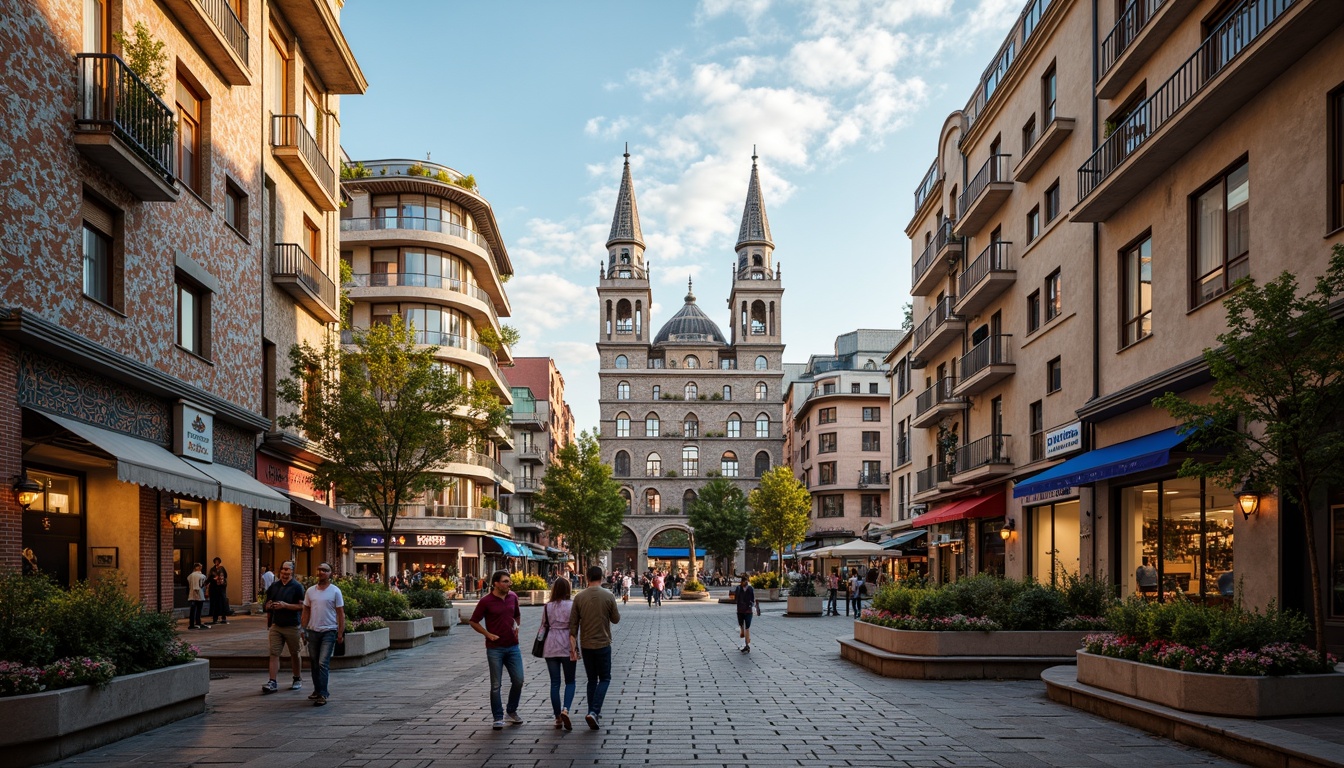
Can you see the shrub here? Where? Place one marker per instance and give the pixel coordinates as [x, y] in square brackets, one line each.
[1036, 608]
[898, 597]
[434, 582]
[803, 587]
[692, 586]
[364, 599]
[1222, 628]
[24, 601]
[71, 672]
[527, 582]
[767, 580]
[427, 598]
[1088, 596]
[1008, 603]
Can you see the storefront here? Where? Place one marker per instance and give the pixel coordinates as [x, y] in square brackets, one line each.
[910, 554]
[966, 534]
[472, 557]
[312, 532]
[1051, 533]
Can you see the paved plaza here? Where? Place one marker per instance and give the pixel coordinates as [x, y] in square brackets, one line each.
[682, 695]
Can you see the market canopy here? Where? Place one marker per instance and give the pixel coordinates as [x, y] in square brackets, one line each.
[794, 551]
[1137, 455]
[673, 553]
[904, 538]
[855, 548]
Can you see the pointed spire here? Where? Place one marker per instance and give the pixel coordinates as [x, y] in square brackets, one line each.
[690, 294]
[625, 222]
[755, 225]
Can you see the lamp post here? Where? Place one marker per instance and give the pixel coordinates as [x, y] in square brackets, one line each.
[1248, 499]
[26, 490]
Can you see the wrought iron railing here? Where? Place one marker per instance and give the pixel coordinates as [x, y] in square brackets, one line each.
[1127, 28]
[872, 478]
[927, 184]
[995, 350]
[235, 33]
[288, 131]
[527, 483]
[292, 260]
[940, 314]
[928, 478]
[113, 99]
[996, 168]
[992, 449]
[941, 237]
[993, 259]
[940, 392]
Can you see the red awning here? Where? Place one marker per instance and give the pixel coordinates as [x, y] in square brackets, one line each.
[992, 505]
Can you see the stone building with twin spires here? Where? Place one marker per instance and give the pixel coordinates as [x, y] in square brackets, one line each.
[687, 403]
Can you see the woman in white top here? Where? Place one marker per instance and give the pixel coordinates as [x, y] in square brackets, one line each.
[559, 654]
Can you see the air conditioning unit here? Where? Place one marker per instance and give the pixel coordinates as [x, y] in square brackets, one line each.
[918, 509]
[944, 538]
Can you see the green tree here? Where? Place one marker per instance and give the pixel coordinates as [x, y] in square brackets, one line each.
[580, 501]
[720, 518]
[385, 414]
[779, 511]
[1276, 412]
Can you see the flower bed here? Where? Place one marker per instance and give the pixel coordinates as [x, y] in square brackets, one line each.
[990, 604]
[962, 636]
[1273, 659]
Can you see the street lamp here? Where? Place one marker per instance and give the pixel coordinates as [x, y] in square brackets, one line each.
[1248, 499]
[174, 515]
[26, 489]
[1006, 532]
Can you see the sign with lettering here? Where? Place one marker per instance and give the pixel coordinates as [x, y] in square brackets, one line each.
[194, 433]
[1065, 439]
[278, 474]
[1045, 496]
[431, 540]
[404, 540]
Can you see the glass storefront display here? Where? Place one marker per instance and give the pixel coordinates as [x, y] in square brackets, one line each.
[53, 529]
[1052, 541]
[992, 546]
[1176, 539]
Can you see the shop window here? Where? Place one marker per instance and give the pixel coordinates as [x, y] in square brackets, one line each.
[1052, 541]
[60, 493]
[1176, 541]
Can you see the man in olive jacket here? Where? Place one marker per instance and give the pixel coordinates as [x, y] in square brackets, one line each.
[590, 636]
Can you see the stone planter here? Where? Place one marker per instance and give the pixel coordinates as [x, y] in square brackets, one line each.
[409, 634]
[921, 643]
[1225, 695]
[690, 595]
[442, 617]
[47, 726]
[363, 649]
[804, 606]
[772, 593]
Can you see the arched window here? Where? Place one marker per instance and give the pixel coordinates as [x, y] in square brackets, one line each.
[625, 317]
[687, 499]
[625, 255]
[870, 365]
[762, 363]
[728, 464]
[756, 260]
[762, 425]
[757, 318]
[690, 427]
[692, 361]
[625, 494]
[622, 464]
[734, 425]
[622, 362]
[651, 425]
[623, 390]
[653, 465]
[727, 392]
[762, 391]
[657, 391]
[622, 424]
[762, 463]
[690, 461]
[691, 390]
[653, 503]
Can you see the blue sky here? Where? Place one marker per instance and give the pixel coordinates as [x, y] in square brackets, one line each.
[842, 98]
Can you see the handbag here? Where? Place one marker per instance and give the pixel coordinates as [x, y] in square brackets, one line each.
[539, 644]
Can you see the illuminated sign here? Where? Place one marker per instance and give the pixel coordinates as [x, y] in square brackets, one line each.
[194, 436]
[431, 540]
[1064, 439]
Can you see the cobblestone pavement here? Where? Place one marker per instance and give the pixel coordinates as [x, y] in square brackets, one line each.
[682, 695]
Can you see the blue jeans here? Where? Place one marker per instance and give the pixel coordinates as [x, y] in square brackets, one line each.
[500, 659]
[597, 667]
[320, 647]
[830, 601]
[554, 665]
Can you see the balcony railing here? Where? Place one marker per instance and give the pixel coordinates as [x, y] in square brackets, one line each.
[926, 260]
[292, 260]
[221, 13]
[418, 224]
[995, 350]
[872, 478]
[391, 169]
[993, 259]
[440, 339]
[939, 393]
[928, 478]
[112, 99]
[1131, 22]
[414, 280]
[992, 449]
[527, 483]
[927, 184]
[533, 453]
[289, 132]
[997, 168]
[1220, 48]
[902, 450]
[481, 460]
[941, 312]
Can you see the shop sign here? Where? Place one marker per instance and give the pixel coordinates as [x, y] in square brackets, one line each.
[1046, 496]
[1065, 439]
[402, 540]
[194, 436]
[431, 540]
[278, 474]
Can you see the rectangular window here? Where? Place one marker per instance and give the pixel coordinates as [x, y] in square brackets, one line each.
[312, 113]
[1034, 224]
[807, 451]
[1033, 311]
[1221, 228]
[826, 416]
[826, 442]
[235, 207]
[98, 260]
[1049, 94]
[1037, 418]
[870, 505]
[192, 307]
[189, 137]
[277, 69]
[1053, 302]
[872, 388]
[871, 474]
[1136, 276]
[1336, 158]
[828, 388]
[832, 506]
[826, 471]
[1052, 202]
[855, 388]
[312, 240]
[872, 414]
[1054, 376]
[872, 441]
[1029, 135]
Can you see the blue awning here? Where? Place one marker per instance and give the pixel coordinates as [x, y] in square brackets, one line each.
[509, 548]
[669, 553]
[1137, 455]
[904, 538]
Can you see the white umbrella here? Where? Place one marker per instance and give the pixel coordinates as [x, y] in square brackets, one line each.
[855, 548]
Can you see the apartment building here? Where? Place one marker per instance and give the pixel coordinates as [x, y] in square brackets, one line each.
[543, 424]
[687, 403]
[145, 295]
[1143, 135]
[421, 243]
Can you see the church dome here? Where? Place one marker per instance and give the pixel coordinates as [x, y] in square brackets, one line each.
[690, 324]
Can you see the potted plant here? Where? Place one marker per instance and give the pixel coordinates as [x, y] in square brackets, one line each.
[803, 598]
[768, 581]
[531, 588]
[366, 641]
[694, 590]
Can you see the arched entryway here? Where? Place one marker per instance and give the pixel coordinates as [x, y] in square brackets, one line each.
[625, 555]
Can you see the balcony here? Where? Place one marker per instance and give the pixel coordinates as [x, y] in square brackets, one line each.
[938, 329]
[986, 192]
[533, 454]
[1016, 42]
[535, 420]
[219, 33]
[416, 224]
[124, 128]
[986, 277]
[932, 265]
[1260, 41]
[444, 339]
[988, 363]
[496, 470]
[874, 479]
[937, 402]
[1141, 29]
[435, 517]
[422, 286]
[299, 152]
[929, 188]
[932, 480]
[1050, 139]
[325, 49]
[983, 459]
[303, 279]
[526, 521]
[526, 484]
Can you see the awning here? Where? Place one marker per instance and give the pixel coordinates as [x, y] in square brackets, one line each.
[142, 462]
[330, 518]
[238, 487]
[905, 538]
[509, 548]
[670, 553]
[1143, 453]
[975, 507]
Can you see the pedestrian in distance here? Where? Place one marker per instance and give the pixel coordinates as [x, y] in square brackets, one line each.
[625, 589]
[267, 577]
[561, 656]
[499, 612]
[324, 622]
[745, 598]
[590, 638]
[284, 609]
[658, 588]
[196, 596]
[832, 592]
[855, 593]
[219, 593]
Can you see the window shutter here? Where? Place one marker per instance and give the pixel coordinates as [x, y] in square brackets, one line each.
[98, 217]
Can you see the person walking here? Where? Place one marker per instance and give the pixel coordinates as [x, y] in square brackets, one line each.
[219, 593]
[832, 592]
[324, 622]
[855, 593]
[560, 654]
[590, 638]
[267, 578]
[745, 597]
[625, 589]
[284, 608]
[658, 588]
[196, 597]
[499, 610]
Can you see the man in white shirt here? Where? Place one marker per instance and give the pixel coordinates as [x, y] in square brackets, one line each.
[267, 577]
[324, 623]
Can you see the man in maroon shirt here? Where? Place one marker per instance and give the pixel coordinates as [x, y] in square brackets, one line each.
[499, 610]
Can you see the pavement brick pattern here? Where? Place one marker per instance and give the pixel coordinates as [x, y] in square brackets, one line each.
[682, 694]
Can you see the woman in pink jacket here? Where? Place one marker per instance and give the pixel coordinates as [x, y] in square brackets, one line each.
[558, 653]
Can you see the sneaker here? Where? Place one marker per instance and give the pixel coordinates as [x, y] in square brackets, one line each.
[564, 718]
[223, 621]
[320, 701]
[193, 626]
[559, 723]
[499, 725]
[313, 696]
[512, 718]
[592, 720]
[269, 687]
[202, 626]
[297, 685]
